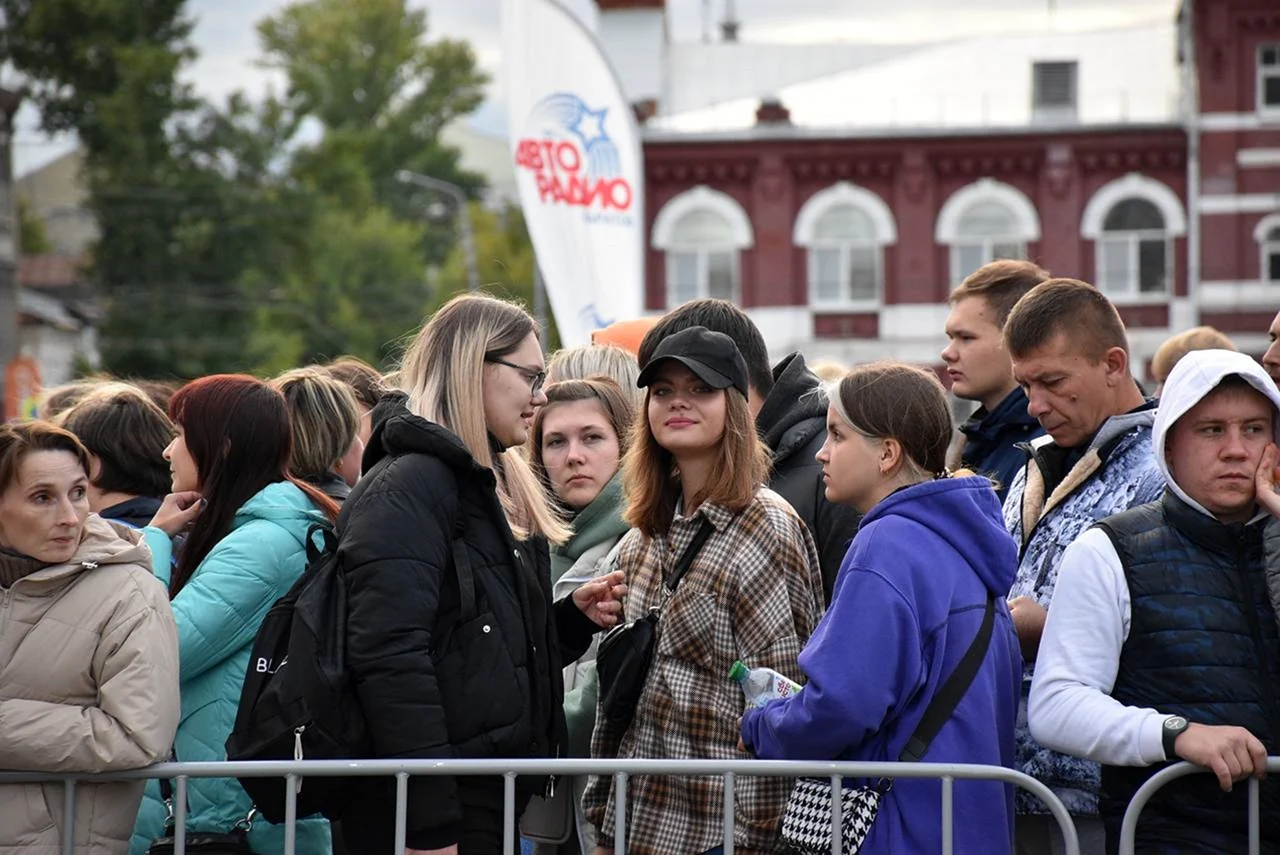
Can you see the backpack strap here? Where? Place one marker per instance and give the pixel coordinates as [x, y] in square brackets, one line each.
[944, 703]
[328, 542]
[462, 569]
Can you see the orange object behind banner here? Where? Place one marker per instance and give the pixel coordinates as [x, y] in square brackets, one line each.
[21, 386]
[625, 334]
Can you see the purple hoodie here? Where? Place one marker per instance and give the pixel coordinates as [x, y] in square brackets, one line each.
[908, 602]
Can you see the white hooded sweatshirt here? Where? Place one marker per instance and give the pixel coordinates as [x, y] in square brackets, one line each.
[1071, 709]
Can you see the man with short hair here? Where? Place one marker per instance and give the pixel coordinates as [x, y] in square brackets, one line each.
[791, 416]
[980, 369]
[1179, 345]
[1271, 359]
[1162, 643]
[1071, 357]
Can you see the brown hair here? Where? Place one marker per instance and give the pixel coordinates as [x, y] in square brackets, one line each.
[615, 405]
[121, 426]
[18, 439]
[652, 487]
[1001, 283]
[363, 378]
[1178, 346]
[893, 400]
[55, 402]
[1068, 306]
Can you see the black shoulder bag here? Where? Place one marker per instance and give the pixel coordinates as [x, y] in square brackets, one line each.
[806, 823]
[234, 842]
[626, 651]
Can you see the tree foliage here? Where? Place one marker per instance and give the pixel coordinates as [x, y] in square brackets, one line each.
[32, 237]
[254, 234]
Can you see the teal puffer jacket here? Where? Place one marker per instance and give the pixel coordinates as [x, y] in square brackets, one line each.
[218, 612]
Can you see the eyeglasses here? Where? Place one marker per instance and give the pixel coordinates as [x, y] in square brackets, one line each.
[535, 376]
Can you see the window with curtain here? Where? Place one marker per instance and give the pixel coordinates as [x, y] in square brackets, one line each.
[1271, 256]
[844, 258]
[988, 230]
[702, 259]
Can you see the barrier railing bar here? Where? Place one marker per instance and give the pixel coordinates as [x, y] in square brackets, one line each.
[69, 817]
[508, 813]
[1255, 815]
[291, 815]
[728, 813]
[180, 816]
[402, 809]
[948, 820]
[837, 820]
[620, 769]
[1129, 826]
[620, 813]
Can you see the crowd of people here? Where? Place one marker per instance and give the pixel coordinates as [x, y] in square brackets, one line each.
[1081, 581]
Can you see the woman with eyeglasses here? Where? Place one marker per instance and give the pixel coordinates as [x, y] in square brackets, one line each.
[455, 642]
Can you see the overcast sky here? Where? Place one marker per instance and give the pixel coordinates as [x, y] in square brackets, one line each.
[227, 42]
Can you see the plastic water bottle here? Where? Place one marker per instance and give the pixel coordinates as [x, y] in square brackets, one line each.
[762, 685]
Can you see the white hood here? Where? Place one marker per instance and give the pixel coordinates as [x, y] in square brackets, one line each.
[1194, 377]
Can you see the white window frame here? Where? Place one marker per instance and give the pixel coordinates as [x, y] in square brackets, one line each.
[1132, 288]
[1265, 72]
[665, 236]
[947, 229]
[703, 252]
[1267, 246]
[885, 231]
[1129, 186]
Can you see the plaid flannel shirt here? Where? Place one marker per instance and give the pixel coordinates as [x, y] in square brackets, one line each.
[753, 593]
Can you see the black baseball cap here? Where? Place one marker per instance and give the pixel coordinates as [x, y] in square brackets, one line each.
[712, 356]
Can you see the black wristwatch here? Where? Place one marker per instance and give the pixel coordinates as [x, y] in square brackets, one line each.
[1173, 727]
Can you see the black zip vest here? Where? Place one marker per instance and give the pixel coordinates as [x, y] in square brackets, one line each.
[1202, 644]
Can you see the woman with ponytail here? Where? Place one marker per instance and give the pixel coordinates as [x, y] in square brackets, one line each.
[930, 558]
[243, 522]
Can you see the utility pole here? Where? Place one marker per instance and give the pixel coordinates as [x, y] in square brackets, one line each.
[9, 102]
[405, 176]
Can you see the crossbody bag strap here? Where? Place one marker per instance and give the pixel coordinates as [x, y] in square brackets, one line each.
[690, 552]
[944, 703]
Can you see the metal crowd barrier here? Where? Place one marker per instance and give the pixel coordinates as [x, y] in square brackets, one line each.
[1129, 827]
[509, 770]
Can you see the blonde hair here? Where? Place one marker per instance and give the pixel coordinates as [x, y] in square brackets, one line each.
[1174, 348]
[443, 374]
[652, 487]
[589, 360]
[324, 417]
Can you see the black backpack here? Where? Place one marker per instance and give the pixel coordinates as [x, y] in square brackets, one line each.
[298, 700]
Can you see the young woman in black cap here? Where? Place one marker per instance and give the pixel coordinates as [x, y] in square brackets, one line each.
[752, 593]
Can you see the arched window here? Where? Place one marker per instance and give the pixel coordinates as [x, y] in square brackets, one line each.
[1133, 221]
[702, 231]
[985, 221]
[1267, 234]
[845, 227]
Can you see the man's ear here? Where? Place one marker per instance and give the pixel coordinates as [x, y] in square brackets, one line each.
[1117, 363]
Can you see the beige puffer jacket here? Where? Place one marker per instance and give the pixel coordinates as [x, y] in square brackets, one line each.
[88, 683]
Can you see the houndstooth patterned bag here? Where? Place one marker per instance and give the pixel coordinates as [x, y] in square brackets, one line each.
[806, 823]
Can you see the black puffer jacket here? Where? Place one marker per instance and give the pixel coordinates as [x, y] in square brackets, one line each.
[433, 684]
[793, 423]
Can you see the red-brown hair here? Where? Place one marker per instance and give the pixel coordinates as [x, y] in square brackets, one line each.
[236, 429]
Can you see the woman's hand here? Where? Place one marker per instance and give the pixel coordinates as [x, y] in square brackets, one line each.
[177, 511]
[1265, 481]
[601, 599]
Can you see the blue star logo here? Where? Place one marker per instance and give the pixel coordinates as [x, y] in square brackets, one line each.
[590, 127]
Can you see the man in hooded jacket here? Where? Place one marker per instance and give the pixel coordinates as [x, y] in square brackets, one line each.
[1162, 643]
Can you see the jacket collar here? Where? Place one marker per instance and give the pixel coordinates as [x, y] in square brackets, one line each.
[598, 522]
[1206, 531]
[795, 410]
[1009, 415]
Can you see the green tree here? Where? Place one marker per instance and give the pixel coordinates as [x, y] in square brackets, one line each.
[504, 259]
[32, 238]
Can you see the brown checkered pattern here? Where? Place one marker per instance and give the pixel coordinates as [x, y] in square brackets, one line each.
[754, 593]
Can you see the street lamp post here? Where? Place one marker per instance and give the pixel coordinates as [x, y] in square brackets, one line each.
[405, 176]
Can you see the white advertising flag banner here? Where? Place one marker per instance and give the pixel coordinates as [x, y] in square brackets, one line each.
[579, 167]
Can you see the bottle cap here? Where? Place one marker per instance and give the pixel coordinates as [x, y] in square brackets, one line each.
[738, 672]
